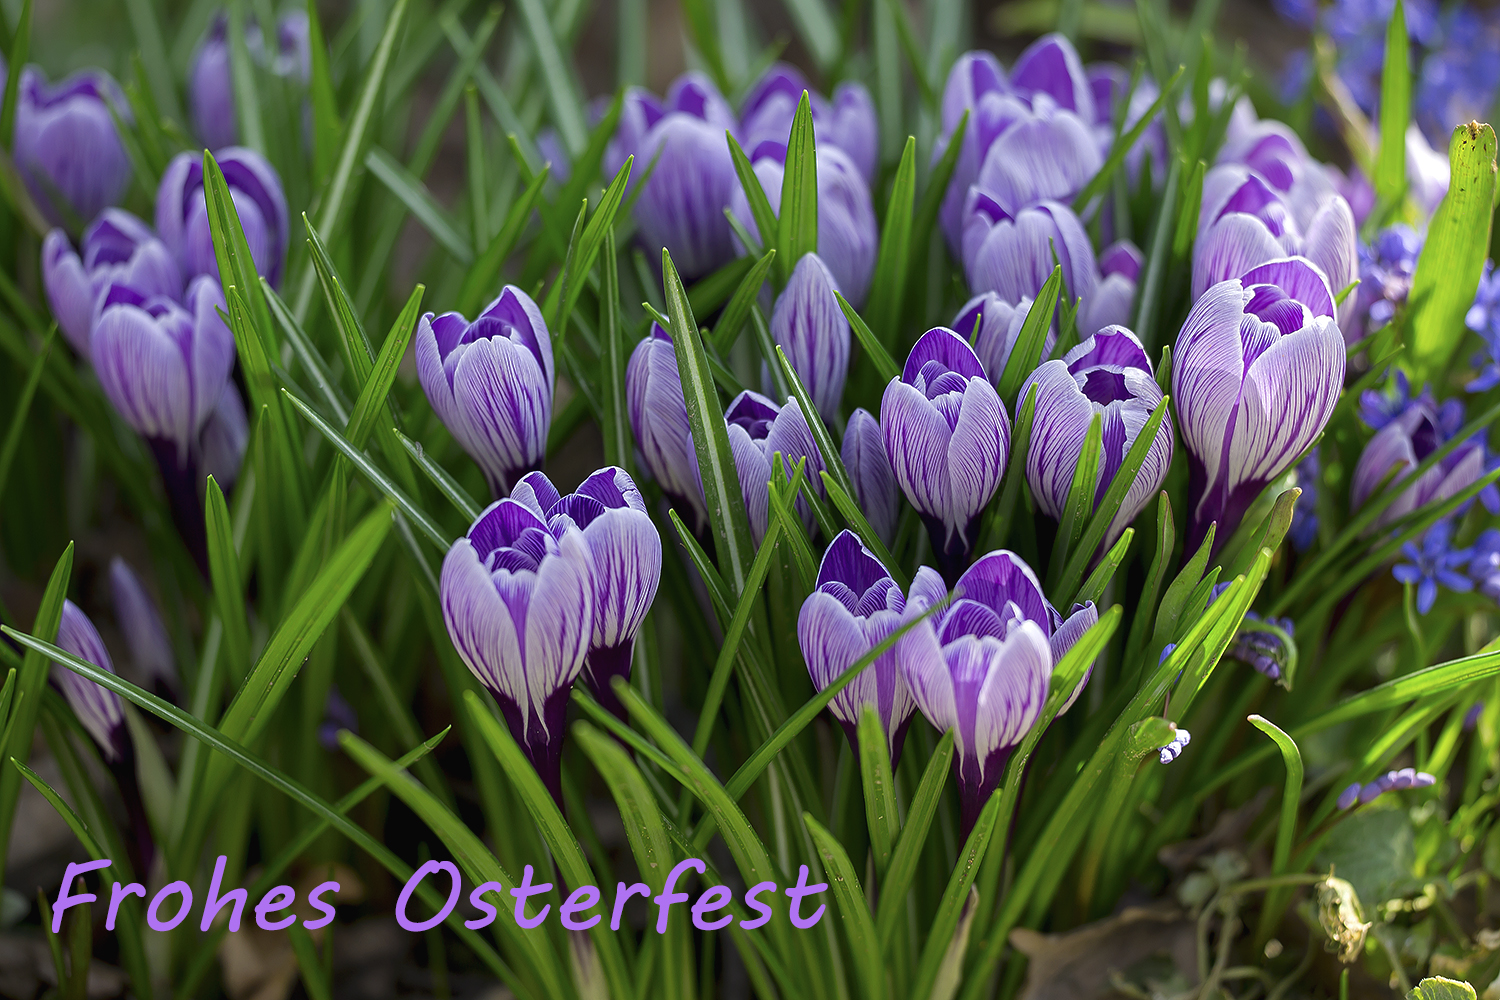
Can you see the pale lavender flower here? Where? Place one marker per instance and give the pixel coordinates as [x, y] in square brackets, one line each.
[1047, 153]
[1304, 529]
[1013, 256]
[182, 211]
[809, 325]
[1432, 563]
[659, 421]
[1484, 566]
[97, 708]
[140, 621]
[626, 550]
[1483, 318]
[490, 381]
[210, 80]
[855, 605]
[948, 437]
[117, 248]
[1113, 300]
[66, 146]
[518, 602]
[758, 429]
[1110, 375]
[864, 458]
[1257, 370]
[1406, 778]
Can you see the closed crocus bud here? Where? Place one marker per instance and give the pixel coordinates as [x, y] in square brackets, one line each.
[1114, 297]
[1047, 154]
[847, 237]
[681, 207]
[490, 381]
[847, 122]
[211, 88]
[853, 127]
[993, 326]
[626, 551]
[1013, 256]
[981, 667]
[1257, 370]
[182, 211]
[812, 329]
[1108, 374]
[659, 422]
[145, 635]
[1050, 65]
[224, 438]
[164, 365]
[66, 145]
[1402, 445]
[864, 458]
[97, 708]
[854, 606]
[758, 429]
[947, 436]
[117, 248]
[518, 600]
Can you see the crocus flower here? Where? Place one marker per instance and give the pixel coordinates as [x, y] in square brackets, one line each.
[182, 211]
[758, 429]
[1257, 370]
[338, 715]
[1114, 297]
[855, 606]
[140, 621]
[210, 80]
[864, 458]
[66, 146]
[1047, 153]
[682, 205]
[659, 421]
[1245, 223]
[977, 86]
[947, 436]
[993, 326]
[518, 601]
[983, 665]
[224, 437]
[97, 708]
[847, 121]
[1050, 66]
[117, 248]
[626, 551]
[1108, 374]
[1013, 256]
[1403, 444]
[811, 328]
[847, 237]
[490, 382]
[1434, 562]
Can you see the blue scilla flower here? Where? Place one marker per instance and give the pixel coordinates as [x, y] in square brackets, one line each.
[1484, 319]
[1459, 79]
[1434, 562]
[1386, 266]
[1378, 407]
[1357, 28]
[1484, 567]
[1302, 13]
[1304, 529]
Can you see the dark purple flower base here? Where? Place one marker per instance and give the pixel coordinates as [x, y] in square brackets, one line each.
[542, 741]
[974, 791]
[951, 552]
[600, 669]
[182, 480]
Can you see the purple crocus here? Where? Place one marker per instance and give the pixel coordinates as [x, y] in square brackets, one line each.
[224, 438]
[97, 708]
[847, 237]
[758, 429]
[659, 421]
[140, 621]
[846, 122]
[682, 205]
[1109, 374]
[117, 248]
[855, 605]
[977, 86]
[993, 326]
[66, 146]
[210, 80]
[1114, 298]
[626, 551]
[864, 458]
[182, 211]
[1404, 443]
[1257, 370]
[1048, 153]
[947, 436]
[1434, 561]
[809, 325]
[490, 381]
[518, 600]
[1013, 256]
[983, 665]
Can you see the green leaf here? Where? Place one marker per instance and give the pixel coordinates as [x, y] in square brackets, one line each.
[879, 783]
[1149, 295]
[721, 481]
[854, 911]
[224, 573]
[31, 682]
[1080, 500]
[903, 867]
[307, 355]
[1291, 795]
[323, 98]
[373, 397]
[1093, 587]
[581, 263]
[479, 210]
[445, 483]
[1145, 609]
[616, 426]
[916, 62]
[1458, 240]
[932, 195]
[23, 407]
[846, 505]
[486, 268]
[888, 291]
[1438, 988]
[567, 109]
[236, 266]
[1178, 592]
[817, 30]
[702, 29]
[1395, 112]
[1187, 219]
[412, 193]
[734, 315]
[946, 921]
[16, 61]
[797, 225]
[766, 225]
[1027, 353]
[885, 365]
[1000, 513]
[242, 76]
[1268, 534]
[1109, 507]
[832, 461]
[1122, 146]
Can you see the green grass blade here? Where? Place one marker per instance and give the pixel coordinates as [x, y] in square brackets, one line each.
[16, 57]
[845, 504]
[224, 573]
[307, 355]
[854, 911]
[1291, 795]
[1395, 112]
[1145, 609]
[1093, 588]
[23, 407]
[908, 849]
[481, 276]
[832, 461]
[766, 225]
[888, 291]
[737, 312]
[955, 895]
[1148, 302]
[440, 477]
[562, 97]
[1027, 353]
[618, 449]
[1000, 514]
[373, 397]
[247, 118]
[236, 267]
[1122, 146]
[412, 193]
[1080, 501]
[1453, 256]
[885, 365]
[879, 783]
[817, 29]
[797, 225]
[324, 100]
[581, 263]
